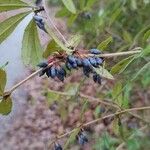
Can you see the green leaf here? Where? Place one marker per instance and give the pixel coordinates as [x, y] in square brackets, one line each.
[146, 66]
[69, 5]
[6, 5]
[7, 26]
[133, 144]
[104, 73]
[74, 40]
[114, 16]
[117, 93]
[90, 3]
[2, 81]
[103, 45]
[51, 48]
[56, 39]
[71, 19]
[52, 97]
[62, 12]
[72, 88]
[5, 105]
[127, 37]
[31, 48]
[146, 36]
[63, 110]
[72, 138]
[122, 65]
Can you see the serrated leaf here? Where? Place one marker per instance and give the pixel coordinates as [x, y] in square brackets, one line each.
[122, 65]
[2, 81]
[6, 5]
[8, 25]
[5, 105]
[31, 48]
[72, 138]
[103, 45]
[69, 5]
[103, 73]
[51, 47]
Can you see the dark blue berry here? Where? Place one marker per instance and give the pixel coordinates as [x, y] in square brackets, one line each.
[99, 79]
[99, 61]
[86, 62]
[87, 71]
[42, 64]
[61, 73]
[48, 72]
[79, 62]
[53, 72]
[87, 15]
[95, 51]
[68, 66]
[74, 65]
[82, 139]
[57, 147]
[71, 59]
[95, 78]
[38, 18]
[93, 61]
[41, 73]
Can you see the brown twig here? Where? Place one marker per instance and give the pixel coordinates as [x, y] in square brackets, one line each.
[102, 118]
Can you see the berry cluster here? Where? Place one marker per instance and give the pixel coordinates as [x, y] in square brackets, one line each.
[86, 60]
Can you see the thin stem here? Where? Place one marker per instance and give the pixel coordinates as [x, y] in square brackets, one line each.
[89, 98]
[52, 23]
[105, 117]
[120, 53]
[26, 79]
[104, 102]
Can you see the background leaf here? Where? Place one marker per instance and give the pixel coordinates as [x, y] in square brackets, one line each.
[7, 26]
[31, 48]
[2, 81]
[69, 5]
[103, 45]
[5, 105]
[6, 5]
[51, 47]
[71, 138]
[122, 65]
[117, 93]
